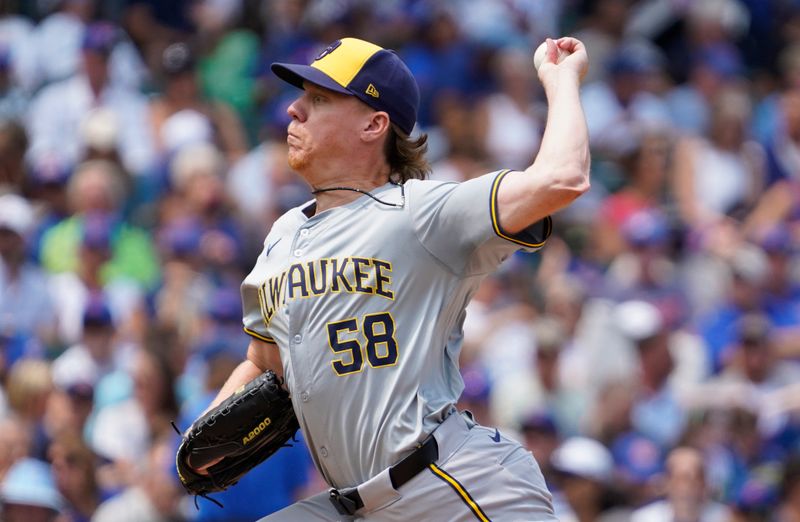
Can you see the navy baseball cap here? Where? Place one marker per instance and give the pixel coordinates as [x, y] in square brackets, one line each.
[100, 37]
[97, 313]
[375, 75]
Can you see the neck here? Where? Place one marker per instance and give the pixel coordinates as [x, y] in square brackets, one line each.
[370, 176]
[342, 193]
[13, 266]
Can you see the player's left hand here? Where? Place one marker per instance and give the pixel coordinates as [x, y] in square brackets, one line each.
[564, 54]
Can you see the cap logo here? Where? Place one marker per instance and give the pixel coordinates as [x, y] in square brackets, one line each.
[372, 91]
[328, 50]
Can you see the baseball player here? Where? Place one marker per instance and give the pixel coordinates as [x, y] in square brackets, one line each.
[358, 297]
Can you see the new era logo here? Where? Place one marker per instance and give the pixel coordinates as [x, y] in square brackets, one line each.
[372, 91]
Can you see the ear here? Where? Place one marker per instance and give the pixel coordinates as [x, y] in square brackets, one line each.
[376, 126]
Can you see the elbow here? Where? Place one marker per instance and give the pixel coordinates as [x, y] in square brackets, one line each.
[575, 182]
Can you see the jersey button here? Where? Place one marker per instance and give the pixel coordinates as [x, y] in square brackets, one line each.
[323, 451]
[304, 232]
[298, 338]
[304, 396]
[297, 253]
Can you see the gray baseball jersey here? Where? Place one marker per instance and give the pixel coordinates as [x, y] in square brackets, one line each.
[366, 304]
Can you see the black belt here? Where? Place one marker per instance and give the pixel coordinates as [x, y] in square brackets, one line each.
[348, 501]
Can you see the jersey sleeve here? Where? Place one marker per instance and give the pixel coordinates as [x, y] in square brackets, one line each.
[253, 319]
[458, 224]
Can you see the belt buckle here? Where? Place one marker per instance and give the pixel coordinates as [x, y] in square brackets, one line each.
[344, 505]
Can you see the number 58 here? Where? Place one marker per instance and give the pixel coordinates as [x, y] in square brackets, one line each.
[380, 347]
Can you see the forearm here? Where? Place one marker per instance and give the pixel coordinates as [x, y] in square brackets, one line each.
[241, 375]
[560, 172]
[564, 153]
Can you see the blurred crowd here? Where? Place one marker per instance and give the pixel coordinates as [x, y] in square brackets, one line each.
[648, 355]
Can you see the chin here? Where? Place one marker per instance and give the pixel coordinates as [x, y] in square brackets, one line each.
[297, 161]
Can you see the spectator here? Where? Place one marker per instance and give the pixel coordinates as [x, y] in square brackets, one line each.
[622, 108]
[687, 496]
[26, 309]
[154, 494]
[73, 468]
[182, 93]
[541, 437]
[752, 360]
[29, 386]
[73, 292]
[657, 411]
[185, 288]
[228, 64]
[13, 144]
[59, 110]
[789, 507]
[712, 69]
[722, 173]
[511, 120]
[28, 493]
[94, 357]
[638, 468]
[13, 100]
[122, 431]
[14, 442]
[645, 174]
[585, 468]
[543, 388]
[97, 187]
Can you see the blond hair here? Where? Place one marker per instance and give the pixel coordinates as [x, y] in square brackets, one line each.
[406, 156]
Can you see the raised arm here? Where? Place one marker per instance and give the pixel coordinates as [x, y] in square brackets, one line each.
[560, 172]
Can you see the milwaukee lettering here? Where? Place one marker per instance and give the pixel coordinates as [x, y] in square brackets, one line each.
[256, 431]
[362, 275]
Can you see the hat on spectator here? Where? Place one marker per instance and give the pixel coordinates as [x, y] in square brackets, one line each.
[550, 335]
[750, 264]
[193, 160]
[638, 320]
[753, 328]
[185, 127]
[637, 458]
[777, 240]
[97, 312]
[5, 58]
[80, 390]
[646, 227]
[722, 59]
[225, 305]
[583, 457]
[635, 57]
[376, 76]
[100, 129]
[180, 238]
[100, 37]
[177, 58]
[50, 171]
[477, 386]
[16, 215]
[539, 422]
[29, 482]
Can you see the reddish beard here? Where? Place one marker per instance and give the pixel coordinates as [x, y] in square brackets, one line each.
[297, 159]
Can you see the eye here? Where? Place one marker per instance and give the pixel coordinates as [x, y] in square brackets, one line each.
[317, 99]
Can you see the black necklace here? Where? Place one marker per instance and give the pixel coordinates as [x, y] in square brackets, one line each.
[352, 189]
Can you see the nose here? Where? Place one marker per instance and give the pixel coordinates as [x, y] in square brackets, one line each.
[296, 111]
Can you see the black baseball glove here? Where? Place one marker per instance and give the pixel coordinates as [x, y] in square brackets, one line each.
[243, 431]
